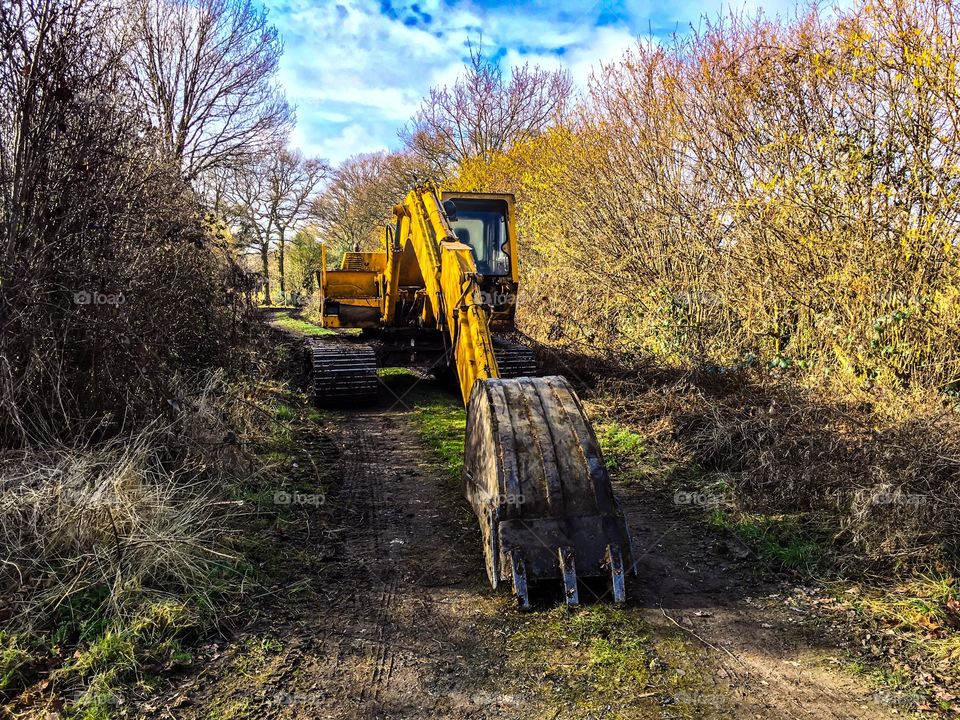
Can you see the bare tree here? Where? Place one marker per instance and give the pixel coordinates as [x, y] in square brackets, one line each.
[91, 209]
[204, 71]
[292, 184]
[266, 198]
[485, 112]
[247, 204]
[360, 195]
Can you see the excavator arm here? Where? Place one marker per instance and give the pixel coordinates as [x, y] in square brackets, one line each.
[451, 283]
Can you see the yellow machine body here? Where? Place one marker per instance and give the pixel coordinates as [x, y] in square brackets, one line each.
[428, 277]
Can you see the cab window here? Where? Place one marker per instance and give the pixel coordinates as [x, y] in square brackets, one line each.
[482, 224]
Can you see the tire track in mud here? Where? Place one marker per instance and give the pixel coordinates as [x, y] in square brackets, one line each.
[365, 492]
[405, 619]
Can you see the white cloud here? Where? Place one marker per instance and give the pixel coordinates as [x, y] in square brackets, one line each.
[336, 147]
[357, 69]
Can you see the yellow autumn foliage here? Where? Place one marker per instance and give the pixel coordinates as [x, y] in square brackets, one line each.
[779, 194]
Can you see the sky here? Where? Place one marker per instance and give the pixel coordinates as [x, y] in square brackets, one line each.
[357, 69]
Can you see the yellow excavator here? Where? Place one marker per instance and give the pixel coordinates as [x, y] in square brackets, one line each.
[443, 293]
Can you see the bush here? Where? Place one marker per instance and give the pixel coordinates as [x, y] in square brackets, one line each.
[112, 279]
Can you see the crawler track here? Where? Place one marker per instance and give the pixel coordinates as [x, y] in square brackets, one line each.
[341, 372]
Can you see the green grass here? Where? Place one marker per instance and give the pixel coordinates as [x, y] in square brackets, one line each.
[921, 611]
[227, 709]
[782, 541]
[302, 327]
[15, 655]
[439, 415]
[605, 661]
[115, 656]
[625, 453]
[284, 413]
[280, 445]
[621, 446]
[586, 658]
[443, 426]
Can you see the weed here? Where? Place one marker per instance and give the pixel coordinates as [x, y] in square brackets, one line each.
[14, 656]
[255, 655]
[620, 445]
[284, 413]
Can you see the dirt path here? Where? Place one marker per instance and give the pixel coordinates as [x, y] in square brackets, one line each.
[774, 660]
[396, 620]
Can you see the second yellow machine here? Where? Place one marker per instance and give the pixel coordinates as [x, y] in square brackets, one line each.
[443, 292]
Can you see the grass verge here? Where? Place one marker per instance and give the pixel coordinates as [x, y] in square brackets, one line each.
[302, 327]
[172, 567]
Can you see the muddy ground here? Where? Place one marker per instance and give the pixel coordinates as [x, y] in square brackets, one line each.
[380, 608]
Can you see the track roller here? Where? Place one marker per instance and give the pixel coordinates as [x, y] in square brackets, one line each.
[535, 477]
[341, 373]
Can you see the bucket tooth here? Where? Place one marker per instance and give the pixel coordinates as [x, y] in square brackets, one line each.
[615, 563]
[519, 570]
[568, 567]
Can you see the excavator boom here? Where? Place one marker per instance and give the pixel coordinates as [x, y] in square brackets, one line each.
[450, 275]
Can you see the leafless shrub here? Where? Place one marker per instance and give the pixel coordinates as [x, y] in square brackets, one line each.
[111, 277]
[891, 485]
[769, 202]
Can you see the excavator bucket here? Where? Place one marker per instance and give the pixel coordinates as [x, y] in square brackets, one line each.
[535, 477]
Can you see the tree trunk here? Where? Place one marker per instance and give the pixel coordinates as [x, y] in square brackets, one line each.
[265, 257]
[280, 253]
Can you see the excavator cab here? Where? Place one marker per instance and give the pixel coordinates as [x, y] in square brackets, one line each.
[482, 224]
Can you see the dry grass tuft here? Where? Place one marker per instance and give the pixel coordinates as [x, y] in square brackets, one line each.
[138, 518]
